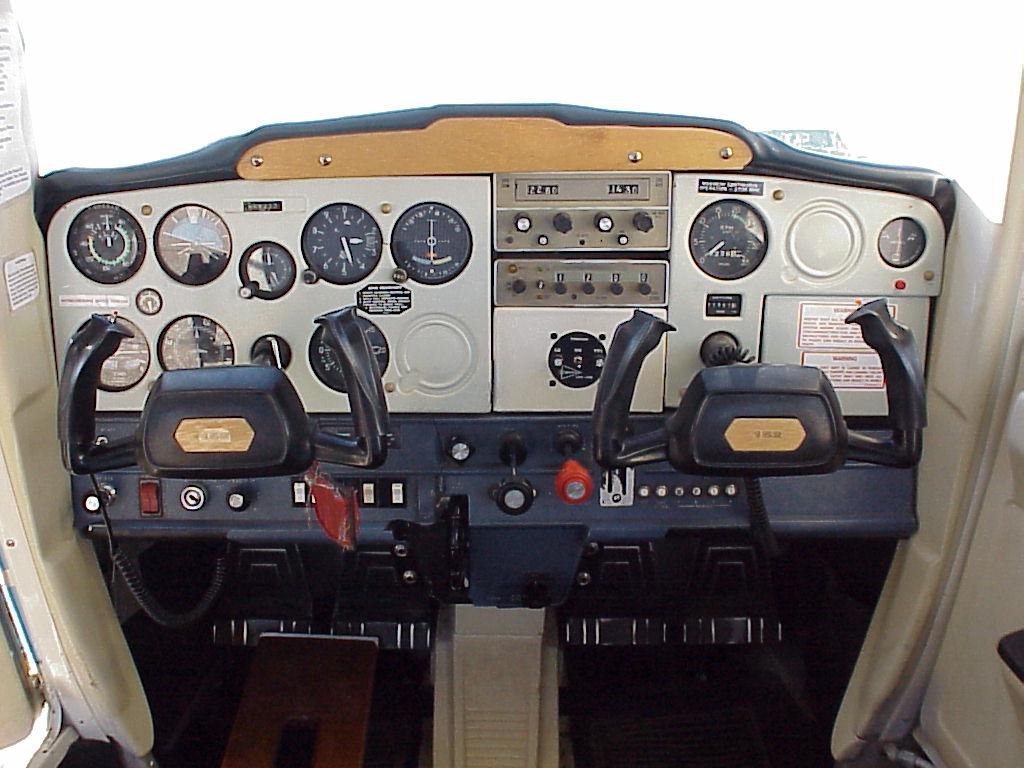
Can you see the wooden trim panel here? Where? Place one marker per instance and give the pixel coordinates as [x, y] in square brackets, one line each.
[478, 145]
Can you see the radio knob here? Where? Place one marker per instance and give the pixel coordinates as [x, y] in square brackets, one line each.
[588, 288]
[644, 288]
[604, 222]
[560, 288]
[523, 223]
[518, 286]
[616, 289]
[643, 222]
[562, 222]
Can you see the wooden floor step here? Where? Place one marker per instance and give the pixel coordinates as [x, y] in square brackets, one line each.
[306, 704]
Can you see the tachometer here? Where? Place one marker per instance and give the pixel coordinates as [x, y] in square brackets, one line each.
[195, 341]
[106, 243]
[901, 242]
[128, 365]
[432, 243]
[325, 363]
[193, 244]
[341, 243]
[729, 239]
[267, 270]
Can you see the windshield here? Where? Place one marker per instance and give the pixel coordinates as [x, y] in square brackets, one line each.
[129, 82]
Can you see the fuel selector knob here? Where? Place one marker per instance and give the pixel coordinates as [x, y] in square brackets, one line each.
[515, 495]
[562, 222]
[573, 483]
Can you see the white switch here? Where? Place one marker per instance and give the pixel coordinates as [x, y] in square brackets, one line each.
[299, 493]
[369, 494]
[398, 494]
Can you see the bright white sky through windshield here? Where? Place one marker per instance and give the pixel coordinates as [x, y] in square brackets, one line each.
[924, 83]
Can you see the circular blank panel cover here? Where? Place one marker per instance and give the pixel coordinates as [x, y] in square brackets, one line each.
[824, 240]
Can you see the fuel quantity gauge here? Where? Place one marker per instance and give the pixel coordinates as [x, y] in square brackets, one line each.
[901, 242]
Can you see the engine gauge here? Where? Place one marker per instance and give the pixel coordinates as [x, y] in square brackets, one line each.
[195, 341]
[901, 242]
[106, 243]
[341, 243]
[576, 359]
[129, 364]
[325, 363]
[193, 244]
[267, 270]
[432, 243]
[729, 239]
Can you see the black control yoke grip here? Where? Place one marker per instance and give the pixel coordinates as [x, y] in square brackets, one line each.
[614, 445]
[905, 390]
[369, 447]
[91, 345]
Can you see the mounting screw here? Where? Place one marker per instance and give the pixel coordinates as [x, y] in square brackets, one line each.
[592, 549]
[256, 161]
[400, 550]
[635, 156]
[929, 276]
[9, 543]
[147, 210]
[100, 440]
[583, 579]
[778, 194]
[326, 160]
[399, 275]
[385, 207]
[389, 387]
[410, 577]
[725, 153]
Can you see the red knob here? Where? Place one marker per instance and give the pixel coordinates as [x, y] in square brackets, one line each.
[573, 483]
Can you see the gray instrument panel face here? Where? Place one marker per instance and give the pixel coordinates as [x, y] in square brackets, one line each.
[440, 347]
[822, 249]
[822, 254]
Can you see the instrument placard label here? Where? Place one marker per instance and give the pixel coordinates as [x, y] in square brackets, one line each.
[384, 299]
[730, 186]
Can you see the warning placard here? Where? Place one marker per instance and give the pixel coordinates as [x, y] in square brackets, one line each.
[823, 326]
[848, 370]
[22, 279]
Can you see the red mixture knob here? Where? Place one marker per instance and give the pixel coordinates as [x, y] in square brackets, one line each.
[573, 483]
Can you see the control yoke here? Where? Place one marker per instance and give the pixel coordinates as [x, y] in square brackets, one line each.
[231, 421]
[757, 420]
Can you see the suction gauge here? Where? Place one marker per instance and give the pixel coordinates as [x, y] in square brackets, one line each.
[431, 242]
[901, 242]
[106, 243]
[193, 244]
[729, 239]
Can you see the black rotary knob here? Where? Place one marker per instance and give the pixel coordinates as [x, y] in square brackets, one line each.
[588, 288]
[518, 286]
[515, 495]
[644, 288]
[562, 222]
[616, 289]
[643, 222]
